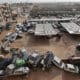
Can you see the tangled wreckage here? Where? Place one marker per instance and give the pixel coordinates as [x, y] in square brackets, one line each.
[22, 61]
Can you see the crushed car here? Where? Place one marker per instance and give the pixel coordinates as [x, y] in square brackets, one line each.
[21, 27]
[2, 73]
[46, 62]
[58, 62]
[25, 54]
[4, 63]
[71, 68]
[21, 71]
[8, 26]
[34, 59]
[12, 36]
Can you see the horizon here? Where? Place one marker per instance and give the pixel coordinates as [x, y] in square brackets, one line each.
[39, 1]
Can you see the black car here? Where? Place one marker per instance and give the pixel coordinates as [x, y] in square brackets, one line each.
[34, 59]
[47, 60]
[8, 26]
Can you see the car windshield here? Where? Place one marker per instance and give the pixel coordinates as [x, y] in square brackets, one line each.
[57, 60]
[60, 63]
[70, 66]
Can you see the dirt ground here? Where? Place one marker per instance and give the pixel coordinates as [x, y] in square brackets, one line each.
[62, 48]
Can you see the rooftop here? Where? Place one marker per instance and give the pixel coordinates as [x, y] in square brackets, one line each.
[45, 29]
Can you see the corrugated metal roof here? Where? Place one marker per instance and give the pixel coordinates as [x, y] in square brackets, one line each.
[71, 27]
[45, 30]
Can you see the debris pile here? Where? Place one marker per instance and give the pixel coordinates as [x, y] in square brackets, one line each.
[22, 61]
[8, 39]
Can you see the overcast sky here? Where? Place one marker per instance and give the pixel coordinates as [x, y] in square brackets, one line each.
[13, 1]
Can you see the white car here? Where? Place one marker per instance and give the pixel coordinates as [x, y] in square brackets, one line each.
[11, 66]
[13, 37]
[31, 31]
[2, 72]
[8, 34]
[58, 62]
[21, 71]
[71, 68]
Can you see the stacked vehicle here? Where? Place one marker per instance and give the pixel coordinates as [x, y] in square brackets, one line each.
[8, 39]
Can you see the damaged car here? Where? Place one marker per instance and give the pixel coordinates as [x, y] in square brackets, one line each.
[34, 59]
[71, 68]
[58, 62]
[21, 71]
[46, 62]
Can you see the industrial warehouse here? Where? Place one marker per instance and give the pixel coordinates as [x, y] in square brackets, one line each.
[40, 41]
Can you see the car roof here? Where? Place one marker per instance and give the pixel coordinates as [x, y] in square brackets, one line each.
[57, 59]
[70, 66]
